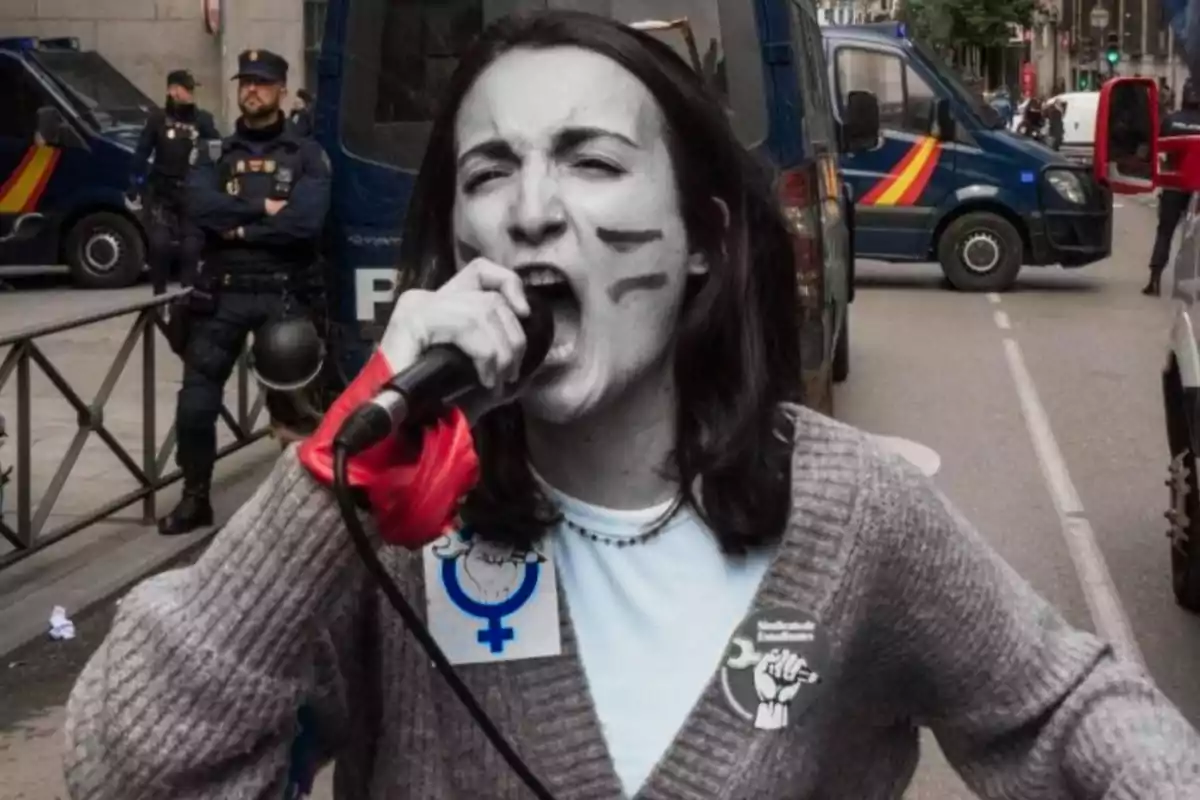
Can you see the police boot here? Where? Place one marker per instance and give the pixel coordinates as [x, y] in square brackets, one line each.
[193, 512]
[1152, 286]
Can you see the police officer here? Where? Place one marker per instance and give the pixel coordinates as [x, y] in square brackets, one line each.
[170, 136]
[302, 115]
[261, 207]
[1172, 204]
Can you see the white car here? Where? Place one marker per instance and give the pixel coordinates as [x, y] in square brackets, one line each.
[1079, 122]
[1181, 401]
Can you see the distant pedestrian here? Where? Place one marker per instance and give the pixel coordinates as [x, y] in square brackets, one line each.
[1172, 204]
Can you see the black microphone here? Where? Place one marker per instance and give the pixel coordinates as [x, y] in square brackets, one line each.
[441, 377]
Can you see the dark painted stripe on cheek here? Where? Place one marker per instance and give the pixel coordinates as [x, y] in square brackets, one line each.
[622, 287]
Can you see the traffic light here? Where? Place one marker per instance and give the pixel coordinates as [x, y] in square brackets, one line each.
[1112, 53]
[1085, 83]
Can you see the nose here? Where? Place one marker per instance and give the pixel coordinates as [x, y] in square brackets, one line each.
[538, 216]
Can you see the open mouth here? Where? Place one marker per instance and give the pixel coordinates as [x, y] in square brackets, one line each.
[551, 285]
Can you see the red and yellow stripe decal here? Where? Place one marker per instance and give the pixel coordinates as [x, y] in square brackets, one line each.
[904, 184]
[23, 189]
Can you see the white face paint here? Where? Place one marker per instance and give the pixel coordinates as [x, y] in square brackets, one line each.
[563, 162]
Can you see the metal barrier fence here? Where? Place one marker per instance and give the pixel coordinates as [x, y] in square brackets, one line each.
[30, 534]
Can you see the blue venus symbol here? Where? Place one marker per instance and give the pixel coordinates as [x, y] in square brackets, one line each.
[495, 633]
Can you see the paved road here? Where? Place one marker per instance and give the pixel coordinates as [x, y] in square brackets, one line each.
[1084, 350]
[1072, 357]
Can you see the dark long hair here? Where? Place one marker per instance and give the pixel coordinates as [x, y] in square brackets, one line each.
[737, 351]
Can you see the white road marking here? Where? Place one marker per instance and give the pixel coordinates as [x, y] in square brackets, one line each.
[920, 456]
[993, 298]
[1002, 322]
[1108, 615]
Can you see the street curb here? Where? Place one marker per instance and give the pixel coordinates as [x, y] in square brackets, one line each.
[144, 553]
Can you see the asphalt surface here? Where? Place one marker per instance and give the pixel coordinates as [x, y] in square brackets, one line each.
[1043, 404]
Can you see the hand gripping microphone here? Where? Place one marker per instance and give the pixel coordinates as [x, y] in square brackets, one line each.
[441, 377]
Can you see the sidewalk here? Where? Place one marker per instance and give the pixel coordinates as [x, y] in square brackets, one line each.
[102, 560]
[99, 560]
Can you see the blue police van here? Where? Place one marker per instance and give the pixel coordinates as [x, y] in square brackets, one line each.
[384, 65]
[69, 123]
[947, 181]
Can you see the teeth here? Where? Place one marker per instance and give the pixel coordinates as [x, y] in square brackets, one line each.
[542, 276]
[560, 352]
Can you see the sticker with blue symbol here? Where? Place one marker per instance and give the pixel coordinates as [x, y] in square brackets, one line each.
[1026, 176]
[490, 602]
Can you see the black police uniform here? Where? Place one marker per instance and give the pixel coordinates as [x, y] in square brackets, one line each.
[1172, 204]
[302, 118]
[254, 272]
[170, 136]
[301, 121]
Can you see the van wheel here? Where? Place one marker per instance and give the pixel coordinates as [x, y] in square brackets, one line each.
[981, 252]
[841, 352]
[1183, 514]
[105, 251]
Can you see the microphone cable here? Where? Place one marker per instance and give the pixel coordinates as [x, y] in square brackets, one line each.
[358, 534]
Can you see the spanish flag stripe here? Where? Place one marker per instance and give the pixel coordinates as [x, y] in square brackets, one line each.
[886, 181]
[40, 189]
[898, 187]
[913, 192]
[28, 180]
[16, 173]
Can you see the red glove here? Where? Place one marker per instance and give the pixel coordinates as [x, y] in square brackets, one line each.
[413, 503]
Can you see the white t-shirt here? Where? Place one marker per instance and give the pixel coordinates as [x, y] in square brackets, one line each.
[652, 620]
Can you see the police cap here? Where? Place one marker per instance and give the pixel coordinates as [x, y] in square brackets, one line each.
[262, 65]
[181, 77]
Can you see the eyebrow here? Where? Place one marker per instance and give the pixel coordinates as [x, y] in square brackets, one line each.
[565, 141]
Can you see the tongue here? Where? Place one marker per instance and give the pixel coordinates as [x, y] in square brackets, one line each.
[566, 321]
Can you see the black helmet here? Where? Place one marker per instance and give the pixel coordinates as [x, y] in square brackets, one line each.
[288, 354]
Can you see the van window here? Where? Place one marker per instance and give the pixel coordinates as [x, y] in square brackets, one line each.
[404, 52]
[101, 94]
[814, 80]
[20, 96]
[906, 101]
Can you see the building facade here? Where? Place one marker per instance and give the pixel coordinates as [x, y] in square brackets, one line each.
[1065, 44]
[146, 39]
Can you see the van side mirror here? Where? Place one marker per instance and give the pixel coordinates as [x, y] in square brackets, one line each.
[55, 131]
[1126, 159]
[946, 126]
[860, 122]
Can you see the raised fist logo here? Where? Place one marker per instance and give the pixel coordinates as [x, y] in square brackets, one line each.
[778, 676]
[764, 685]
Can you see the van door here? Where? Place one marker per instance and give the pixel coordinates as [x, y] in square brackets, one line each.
[25, 167]
[899, 185]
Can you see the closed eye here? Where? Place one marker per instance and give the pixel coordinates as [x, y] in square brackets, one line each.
[478, 179]
[599, 166]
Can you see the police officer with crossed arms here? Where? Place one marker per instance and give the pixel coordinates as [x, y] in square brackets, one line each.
[262, 208]
[170, 136]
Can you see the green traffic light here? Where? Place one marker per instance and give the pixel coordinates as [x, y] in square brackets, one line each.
[1113, 56]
